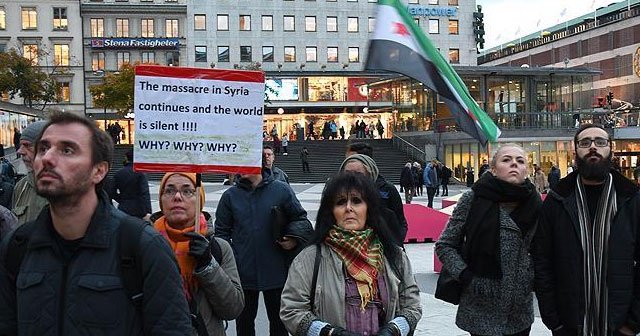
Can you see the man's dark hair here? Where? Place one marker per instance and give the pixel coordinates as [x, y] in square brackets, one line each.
[585, 127]
[267, 147]
[361, 148]
[101, 142]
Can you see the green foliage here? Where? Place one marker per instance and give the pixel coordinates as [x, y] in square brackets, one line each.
[257, 66]
[19, 77]
[116, 91]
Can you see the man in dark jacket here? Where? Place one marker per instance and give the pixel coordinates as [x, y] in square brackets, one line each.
[554, 176]
[69, 279]
[131, 190]
[587, 253]
[263, 245]
[388, 193]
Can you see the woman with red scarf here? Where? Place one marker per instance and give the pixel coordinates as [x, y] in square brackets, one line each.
[212, 288]
[353, 279]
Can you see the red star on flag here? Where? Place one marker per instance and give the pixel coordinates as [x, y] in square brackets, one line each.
[400, 29]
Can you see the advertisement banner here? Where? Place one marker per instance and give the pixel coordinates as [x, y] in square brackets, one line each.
[198, 120]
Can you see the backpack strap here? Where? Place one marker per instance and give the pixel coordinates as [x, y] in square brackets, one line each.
[314, 281]
[129, 235]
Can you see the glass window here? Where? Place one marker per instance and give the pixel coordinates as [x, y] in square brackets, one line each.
[454, 56]
[310, 23]
[453, 27]
[417, 21]
[61, 54]
[267, 22]
[371, 24]
[434, 26]
[29, 18]
[223, 22]
[223, 53]
[352, 24]
[245, 22]
[173, 58]
[200, 22]
[123, 57]
[245, 54]
[267, 54]
[30, 52]
[147, 28]
[201, 54]
[352, 0]
[332, 54]
[122, 27]
[332, 0]
[3, 18]
[453, 2]
[97, 61]
[171, 28]
[148, 57]
[64, 92]
[413, 1]
[354, 54]
[311, 54]
[97, 27]
[433, 2]
[332, 24]
[289, 23]
[289, 54]
[60, 21]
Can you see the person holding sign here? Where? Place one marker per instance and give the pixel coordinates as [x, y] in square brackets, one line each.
[266, 226]
[209, 273]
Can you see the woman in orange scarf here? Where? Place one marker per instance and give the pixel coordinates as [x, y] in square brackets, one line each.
[212, 288]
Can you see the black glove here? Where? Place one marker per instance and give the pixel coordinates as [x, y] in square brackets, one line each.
[336, 331]
[199, 248]
[390, 329]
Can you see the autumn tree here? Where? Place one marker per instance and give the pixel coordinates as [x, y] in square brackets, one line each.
[23, 78]
[116, 90]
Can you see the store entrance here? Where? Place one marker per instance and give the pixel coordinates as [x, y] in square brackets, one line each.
[316, 126]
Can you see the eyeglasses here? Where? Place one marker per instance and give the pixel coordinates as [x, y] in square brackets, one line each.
[586, 142]
[170, 192]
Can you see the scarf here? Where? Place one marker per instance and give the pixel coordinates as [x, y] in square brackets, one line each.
[594, 236]
[482, 246]
[361, 252]
[180, 246]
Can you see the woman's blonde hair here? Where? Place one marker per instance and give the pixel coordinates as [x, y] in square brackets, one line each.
[494, 158]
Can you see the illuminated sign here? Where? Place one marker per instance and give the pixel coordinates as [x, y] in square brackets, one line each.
[135, 43]
[432, 11]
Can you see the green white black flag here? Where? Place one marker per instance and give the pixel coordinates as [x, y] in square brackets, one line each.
[399, 45]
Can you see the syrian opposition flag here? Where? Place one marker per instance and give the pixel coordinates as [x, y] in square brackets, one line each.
[399, 45]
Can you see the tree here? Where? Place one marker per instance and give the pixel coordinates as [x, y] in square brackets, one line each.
[19, 76]
[257, 66]
[116, 90]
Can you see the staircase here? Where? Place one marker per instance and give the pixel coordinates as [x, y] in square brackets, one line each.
[325, 158]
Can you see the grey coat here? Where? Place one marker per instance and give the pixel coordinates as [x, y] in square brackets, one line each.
[295, 310]
[491, 306]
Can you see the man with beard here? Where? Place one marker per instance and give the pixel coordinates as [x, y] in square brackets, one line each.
[63, 273]
[587, 253]
[266, 226]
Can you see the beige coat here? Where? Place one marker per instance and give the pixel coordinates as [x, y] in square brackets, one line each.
[25, 203]
[295, 310]
[220, 296]
[540, 181]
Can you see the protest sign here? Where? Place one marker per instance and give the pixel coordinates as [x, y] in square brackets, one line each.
[198, 120]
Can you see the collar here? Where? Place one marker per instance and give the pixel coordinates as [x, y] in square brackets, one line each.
[98, 232]
[624, 188]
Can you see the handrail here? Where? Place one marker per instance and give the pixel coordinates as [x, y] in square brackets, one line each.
[414, 152]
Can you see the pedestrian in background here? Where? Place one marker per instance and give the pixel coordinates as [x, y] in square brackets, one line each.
[16, 141]
[365, 284]
[540, 180]
[430, 176]
[446, 176]
[285, 143]
[554, 176]
[268, 167]
[418, 182]
[212, 285]
[304, 157]
[131, 190]
[407, 182]
[485, 246]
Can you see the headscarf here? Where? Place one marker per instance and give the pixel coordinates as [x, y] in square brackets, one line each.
[367, 161]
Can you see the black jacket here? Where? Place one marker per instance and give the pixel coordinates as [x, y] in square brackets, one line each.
[86, 295]
[394, 212]
[558, 258]
[131, 191]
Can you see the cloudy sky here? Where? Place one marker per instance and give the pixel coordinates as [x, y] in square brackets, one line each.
[506, 20]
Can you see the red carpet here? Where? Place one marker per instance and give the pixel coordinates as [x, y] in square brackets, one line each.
[424, 224]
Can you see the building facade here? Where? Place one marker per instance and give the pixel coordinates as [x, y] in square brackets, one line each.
[49, 33]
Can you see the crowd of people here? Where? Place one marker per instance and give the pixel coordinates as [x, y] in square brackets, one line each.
[73, 264]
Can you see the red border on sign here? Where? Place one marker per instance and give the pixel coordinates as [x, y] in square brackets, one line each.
[188, 168]
[200, 73]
